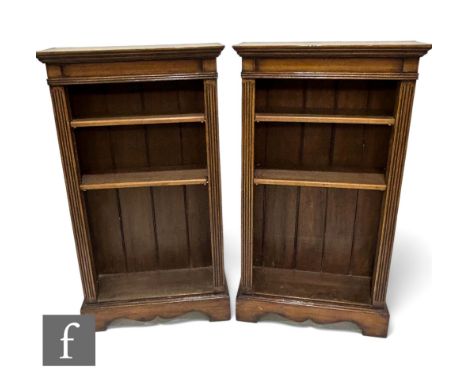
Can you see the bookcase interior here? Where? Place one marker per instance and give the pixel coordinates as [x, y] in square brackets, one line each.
[145, 180]
[352, 97]
[145, 98]
[315, 243]
[321, 147]
[141, 148]
[151, 229]
[315, 239]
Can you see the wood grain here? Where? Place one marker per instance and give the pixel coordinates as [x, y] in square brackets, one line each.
[396, 160]
[339, 230]
[214, 182]
[137, 120]
[215, 306]
[319, 76]
[171, 227]
[373, 321]
[106, 231]
[366, 229]
[248, 113]
[198, 226]
[143, 179]
[322, 118]
[311, 285]
[279, 227]
[327, 179]
[134, 68]
[75, 198]
[147, 78]
[137, 100]
[311, 228]
[162, 283]
[330, 65]
[137, 221]
[129, 53]
[342, 49]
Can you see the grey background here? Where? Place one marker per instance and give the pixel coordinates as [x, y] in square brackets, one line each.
[82, 349]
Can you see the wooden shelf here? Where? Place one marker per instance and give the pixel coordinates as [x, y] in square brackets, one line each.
[326, 179]
[311, 285]
[144, 179]
[154, 284]
[137, 120]
[324, 118]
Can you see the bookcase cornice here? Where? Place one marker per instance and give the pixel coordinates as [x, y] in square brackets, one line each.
[334, 49]
[127, 53]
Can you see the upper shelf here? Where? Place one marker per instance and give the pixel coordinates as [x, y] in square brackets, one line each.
[324, 118]
[143, 179]
[137, 120]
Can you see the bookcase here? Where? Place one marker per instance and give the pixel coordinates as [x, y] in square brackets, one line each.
[325, 129]
[138, 135]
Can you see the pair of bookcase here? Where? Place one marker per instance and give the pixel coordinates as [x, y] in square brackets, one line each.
[325, 127]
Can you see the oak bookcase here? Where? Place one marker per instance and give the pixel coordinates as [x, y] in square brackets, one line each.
[325, 128]
[138, 134]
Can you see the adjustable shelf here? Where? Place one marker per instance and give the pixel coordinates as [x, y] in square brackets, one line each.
[324, 118]
[325, 127]
[325, 179]
[144, 179]
[137, 120]
[138, 134]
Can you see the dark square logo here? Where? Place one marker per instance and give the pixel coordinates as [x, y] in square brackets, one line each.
[68, 340]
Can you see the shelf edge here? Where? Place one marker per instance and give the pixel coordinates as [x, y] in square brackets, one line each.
[137, 120]
[323, 118]
[264, 177]
[134, 180]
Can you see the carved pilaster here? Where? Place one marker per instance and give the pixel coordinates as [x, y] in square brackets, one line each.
[248, 115]
[214, 181]
[75, 197]
[391, 199]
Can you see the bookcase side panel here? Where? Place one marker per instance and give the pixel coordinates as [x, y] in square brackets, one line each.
[75, 196]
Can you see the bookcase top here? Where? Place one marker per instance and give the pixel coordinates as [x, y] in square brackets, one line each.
[128, 53]
[334, 48]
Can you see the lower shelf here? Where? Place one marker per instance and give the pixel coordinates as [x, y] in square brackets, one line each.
[312, 285]
[154, 284]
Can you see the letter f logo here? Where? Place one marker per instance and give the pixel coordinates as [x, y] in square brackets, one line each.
[66, 339]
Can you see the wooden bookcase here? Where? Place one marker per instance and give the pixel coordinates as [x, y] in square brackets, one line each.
[138, 134]
[325, 128]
